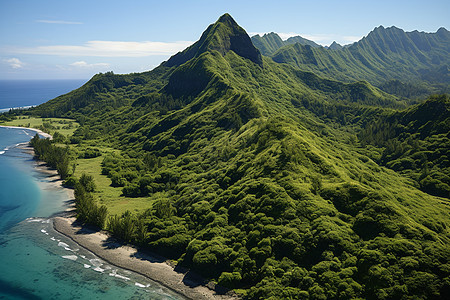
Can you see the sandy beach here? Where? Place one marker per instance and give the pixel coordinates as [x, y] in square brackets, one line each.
[44, 134]
[154, 267]
[107, 248]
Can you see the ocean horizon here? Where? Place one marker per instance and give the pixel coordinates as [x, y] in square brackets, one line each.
[26, 93]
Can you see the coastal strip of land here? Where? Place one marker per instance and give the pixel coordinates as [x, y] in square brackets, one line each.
[127, 257]
[44, 134]
[104, 246]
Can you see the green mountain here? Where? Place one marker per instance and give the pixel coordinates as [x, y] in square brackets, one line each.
[415, 142]
[335, 46]
[269, 43]
[256, 176]
[222, 36]
[301, 40]
[383, 56]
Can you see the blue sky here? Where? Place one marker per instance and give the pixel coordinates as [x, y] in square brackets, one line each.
[76, 39]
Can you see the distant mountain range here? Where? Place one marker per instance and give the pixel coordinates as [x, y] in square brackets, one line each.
[269, 43]
[385, 57]
[283, 172]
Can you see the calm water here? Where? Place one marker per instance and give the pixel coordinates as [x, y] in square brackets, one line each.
[36, 261]
[20, 93]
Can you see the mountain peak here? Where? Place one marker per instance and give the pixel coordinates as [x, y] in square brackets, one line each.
[222, 36]
[273, 34]
[335, 46]
[227, 18]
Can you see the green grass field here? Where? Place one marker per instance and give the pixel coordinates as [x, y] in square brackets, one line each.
[63, 126]
[105, 193]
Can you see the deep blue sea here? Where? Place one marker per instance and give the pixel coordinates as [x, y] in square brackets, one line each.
[23, 93]
[36, 262]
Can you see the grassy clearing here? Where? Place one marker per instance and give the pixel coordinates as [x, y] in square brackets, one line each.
[105, 193]
[63, 126]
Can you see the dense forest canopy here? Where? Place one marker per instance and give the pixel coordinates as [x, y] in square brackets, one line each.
[271, 176]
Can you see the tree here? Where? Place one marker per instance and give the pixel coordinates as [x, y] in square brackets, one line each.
[62, 166]
[87, 181]
[163, 209]
[316, 184]
[141, 232]
[101, 212]
[128, 226]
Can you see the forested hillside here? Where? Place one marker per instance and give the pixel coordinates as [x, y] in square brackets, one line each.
[267, 178]
[406, 64]
[416, 143]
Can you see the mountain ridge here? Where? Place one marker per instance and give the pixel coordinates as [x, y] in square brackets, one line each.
[222, 36]
[271, 42]
[253, 175]
[383, 55]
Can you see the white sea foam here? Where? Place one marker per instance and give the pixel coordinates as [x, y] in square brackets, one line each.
[62, 244]
[86, 266]
[29, 220]
[139, 284]
[71, 257]
[2, 110]
[98, 269]
[4, 150]
[82, 256]
[96, 262]
[121, 277]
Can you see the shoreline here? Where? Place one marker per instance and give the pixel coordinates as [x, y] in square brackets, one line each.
[42, 167]
[181, 281]
[103, 245]
[44, 134]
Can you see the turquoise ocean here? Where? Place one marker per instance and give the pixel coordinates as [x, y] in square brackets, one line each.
[36, 262]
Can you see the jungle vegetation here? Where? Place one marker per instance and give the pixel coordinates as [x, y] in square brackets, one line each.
[269, 178]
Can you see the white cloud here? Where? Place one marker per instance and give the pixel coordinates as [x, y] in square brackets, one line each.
[83, 64]
[351, 38]
[15, 63]
[285, 35]
[107, 49]
[58, 22]
[325, 39]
